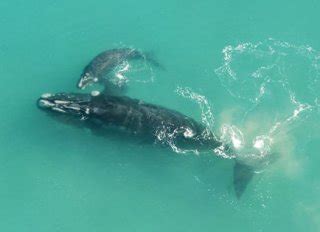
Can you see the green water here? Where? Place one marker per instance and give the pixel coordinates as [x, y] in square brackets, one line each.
[252, 68]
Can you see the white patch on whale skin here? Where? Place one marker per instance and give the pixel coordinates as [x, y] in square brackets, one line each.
[61, 102]
[46, 95]
[77, 108]
[87, 111]
[80, 85]
[95, 93]
[85, 78]
[58, 109]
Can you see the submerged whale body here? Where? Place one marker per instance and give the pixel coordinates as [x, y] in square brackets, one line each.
[98, 69]
[139, 119]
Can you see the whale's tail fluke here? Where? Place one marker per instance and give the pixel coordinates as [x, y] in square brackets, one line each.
[242, 174]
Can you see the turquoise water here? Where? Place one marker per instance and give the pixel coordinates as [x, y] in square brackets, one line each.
[250, 71]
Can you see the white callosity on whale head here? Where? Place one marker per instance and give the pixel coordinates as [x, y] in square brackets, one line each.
[61, 102]
[87, 80]
[58, 109]
[73, 107]
[45, 103]
[80, 84]
[84, 81]
[46, 95]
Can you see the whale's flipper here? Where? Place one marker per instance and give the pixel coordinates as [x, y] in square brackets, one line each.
[242, 174]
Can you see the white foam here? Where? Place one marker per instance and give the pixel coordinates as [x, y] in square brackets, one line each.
[256, 73]
[259, 144]
[188, 133]
[207, 117]
[231, 134]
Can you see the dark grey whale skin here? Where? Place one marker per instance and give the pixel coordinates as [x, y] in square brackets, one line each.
[106, 61]
[135, 116]
[139, 119]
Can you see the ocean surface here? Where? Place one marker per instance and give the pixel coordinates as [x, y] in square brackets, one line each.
[249, 70]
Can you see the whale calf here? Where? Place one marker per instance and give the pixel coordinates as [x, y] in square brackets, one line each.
[101, 111]
[104, 63]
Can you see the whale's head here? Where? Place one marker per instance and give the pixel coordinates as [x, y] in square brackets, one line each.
[87, 78]
[73, 105]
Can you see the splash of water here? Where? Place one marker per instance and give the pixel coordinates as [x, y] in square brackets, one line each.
[280, 77]
[120, 78]
[169, 138]
[207, 118]
[134, 71]
[249, 68]
[264, 75]
[166, 137]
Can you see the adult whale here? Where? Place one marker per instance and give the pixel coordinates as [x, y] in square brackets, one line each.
[101, 65]
[99, 111]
